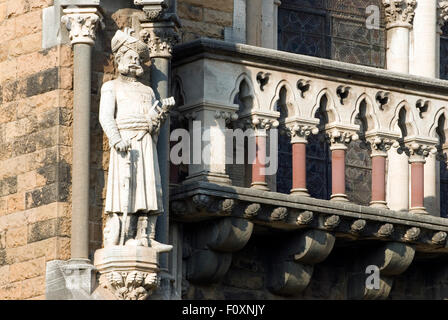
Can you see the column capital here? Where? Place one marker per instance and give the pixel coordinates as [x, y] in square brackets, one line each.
[340, 138]
[260, 123]
[442, 14]
[82, 24]
[418, 151]
[159, 28]
[299, 133]
[399, 13]
[380, 144]
[300, 129]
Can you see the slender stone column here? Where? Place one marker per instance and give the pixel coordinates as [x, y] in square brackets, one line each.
[299, 134]
[432, 183]
[259, 165]
[339, 141]
[159, 31]
[82, 24]
[398, 179]
[424, 45]
[418, 153]
[258, 125]
[399, 18]
[379, 147]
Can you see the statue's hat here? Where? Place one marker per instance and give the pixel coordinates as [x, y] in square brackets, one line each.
[124, 38]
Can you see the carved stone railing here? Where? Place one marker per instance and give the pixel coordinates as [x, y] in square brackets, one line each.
[401, 116]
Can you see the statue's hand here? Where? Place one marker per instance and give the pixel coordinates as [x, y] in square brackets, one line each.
[168, 103]
[123, 146]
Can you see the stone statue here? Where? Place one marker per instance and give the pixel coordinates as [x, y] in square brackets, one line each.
[131, 118]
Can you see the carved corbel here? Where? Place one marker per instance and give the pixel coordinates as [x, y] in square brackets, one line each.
[212, 247]
[292, 266]
[391, 259]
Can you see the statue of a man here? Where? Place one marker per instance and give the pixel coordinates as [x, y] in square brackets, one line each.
[131, 118]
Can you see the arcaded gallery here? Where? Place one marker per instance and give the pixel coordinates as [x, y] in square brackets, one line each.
[223, 149]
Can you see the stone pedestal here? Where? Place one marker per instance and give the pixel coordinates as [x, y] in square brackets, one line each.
[129, 272]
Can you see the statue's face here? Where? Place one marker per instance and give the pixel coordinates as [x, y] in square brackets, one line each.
[129, 64]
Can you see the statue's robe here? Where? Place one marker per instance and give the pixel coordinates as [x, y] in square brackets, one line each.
[126, 112]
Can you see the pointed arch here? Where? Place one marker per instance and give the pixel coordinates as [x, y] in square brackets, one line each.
[244, 86]
[330, 110]
[284, 92]
[370, 115]
[433, 130]
[408, 127]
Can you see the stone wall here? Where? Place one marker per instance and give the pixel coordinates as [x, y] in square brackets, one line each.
[35, 150]
[204, 18]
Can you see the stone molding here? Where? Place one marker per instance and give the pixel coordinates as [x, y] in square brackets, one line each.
[82, 24]
[289, 212]
[399, 13]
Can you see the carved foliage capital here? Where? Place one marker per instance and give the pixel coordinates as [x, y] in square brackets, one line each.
[160, 40]
[380, 145]
[418, 151]
[400, 11]
[82, 25]
[130, 285]
[259, 124]
[341, 138]
[299, 133]
[442, 13]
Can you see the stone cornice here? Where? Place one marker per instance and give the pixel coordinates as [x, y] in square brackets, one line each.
[426, 232]
[82, 24]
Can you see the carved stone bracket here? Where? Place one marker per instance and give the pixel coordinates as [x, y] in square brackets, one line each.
[82, 24]
[399, 12]
[292, 266]
[391, 259]
[128, 272]
[212, 247]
